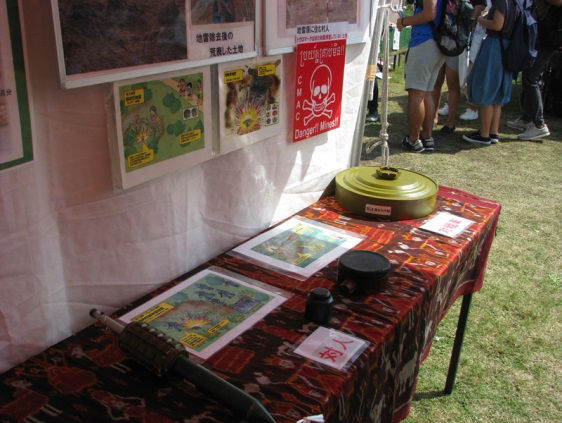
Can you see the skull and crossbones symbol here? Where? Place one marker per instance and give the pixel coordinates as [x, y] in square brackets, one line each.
[320, 95]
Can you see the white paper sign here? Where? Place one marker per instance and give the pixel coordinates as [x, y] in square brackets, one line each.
[331, 347]
[321, 32]
[447, 224]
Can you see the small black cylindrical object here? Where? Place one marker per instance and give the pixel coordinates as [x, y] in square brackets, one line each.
[361, 272]
[318, 305]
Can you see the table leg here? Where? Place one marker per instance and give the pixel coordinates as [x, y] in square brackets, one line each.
[461, 325]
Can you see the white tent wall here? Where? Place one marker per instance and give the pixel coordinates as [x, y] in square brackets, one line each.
[70, 242]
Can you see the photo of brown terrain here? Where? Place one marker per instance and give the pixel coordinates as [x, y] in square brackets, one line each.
[320, 11]
[205, 12]
[110, 34]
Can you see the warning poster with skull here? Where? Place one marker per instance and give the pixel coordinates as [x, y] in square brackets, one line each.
[318, 87]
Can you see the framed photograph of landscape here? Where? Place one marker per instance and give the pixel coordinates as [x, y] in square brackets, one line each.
[283, 16]
[251, 107]
[102, 41]
[161, 125]
[16, 144]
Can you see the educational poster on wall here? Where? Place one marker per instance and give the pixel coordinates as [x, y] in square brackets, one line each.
[208, 310]
[298, 246]
[221, 28]
[250, 98]
[162, 125]
[283, 17]
[319, 81]
[16, 145]
[105, 41]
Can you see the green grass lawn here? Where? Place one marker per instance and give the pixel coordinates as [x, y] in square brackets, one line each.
[511, 362]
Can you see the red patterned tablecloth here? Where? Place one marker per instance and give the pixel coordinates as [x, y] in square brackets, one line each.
[85, 378]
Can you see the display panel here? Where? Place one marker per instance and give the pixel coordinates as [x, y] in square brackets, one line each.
[283, 17]
[104, 41]
[250, 98]
[161, 125]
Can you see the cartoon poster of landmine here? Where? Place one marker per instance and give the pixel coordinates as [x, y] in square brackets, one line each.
[208, 310]
[161, 125]
[250, 96]
[298, 246]
[319, 79]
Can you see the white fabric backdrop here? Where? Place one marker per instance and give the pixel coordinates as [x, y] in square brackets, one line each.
[69, 242]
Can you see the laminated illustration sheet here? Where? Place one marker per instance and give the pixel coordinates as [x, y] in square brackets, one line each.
[250, 98]
[208, 310]
[284, 16]
[298, 246]
[162, 125]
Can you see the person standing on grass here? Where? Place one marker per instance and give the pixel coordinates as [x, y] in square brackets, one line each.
[454, 67]
[423, 61]
[549, 19]
[476, 37]
[489, 83]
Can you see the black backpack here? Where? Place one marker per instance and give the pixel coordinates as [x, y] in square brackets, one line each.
[521, 52]
[550, 28]
[452, 32]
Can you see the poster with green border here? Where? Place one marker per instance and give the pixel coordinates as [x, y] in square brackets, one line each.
[16, 146]
[161, 124]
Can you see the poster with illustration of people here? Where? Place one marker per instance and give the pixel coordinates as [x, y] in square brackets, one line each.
[250, 98]
[15, 126]
[161, 125]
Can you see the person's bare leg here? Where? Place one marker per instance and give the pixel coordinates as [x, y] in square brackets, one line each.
[453, 96]
[430, 108]
[416, 113]
[436, 94]
[470, 105]
[486, 115]
[496, 115]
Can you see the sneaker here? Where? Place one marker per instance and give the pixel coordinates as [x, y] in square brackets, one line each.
[476, 138]
[444, 111]
[494, 138]
[533, 132]
[469, 115]
[519, 124]
[428, 143]
[447, 129]
[373, 117]
[416, 147]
